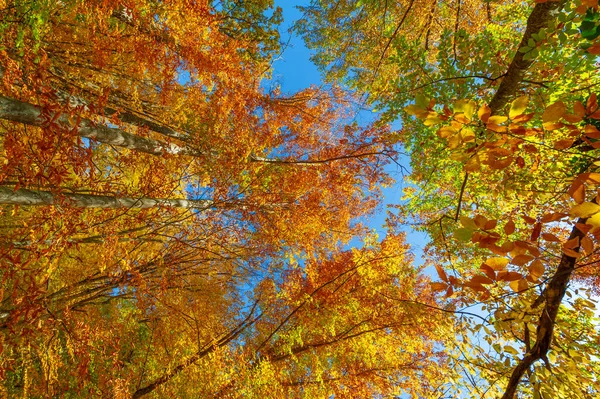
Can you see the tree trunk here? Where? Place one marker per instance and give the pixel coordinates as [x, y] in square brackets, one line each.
[29, 114]
[35, 197]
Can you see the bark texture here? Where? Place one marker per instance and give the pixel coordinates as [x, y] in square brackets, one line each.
[35, 197]
[541, 15]
[29, 114]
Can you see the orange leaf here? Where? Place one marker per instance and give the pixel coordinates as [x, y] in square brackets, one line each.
[497, 263]
[584, 228]
[439, 286]
[578, 193]
[481, 280]
[475, 286]
[550, 237]
[510, 276]
[537, 268]
[490, 224]
[521, 260]
[594, 49]
[484, 113]
[535, 233]
[441, 273]
[572, 243]
[488, 271]
[571, 253]
[579, 109]
[592, 103]
[587, 244]
[554, 112]
[509, 227]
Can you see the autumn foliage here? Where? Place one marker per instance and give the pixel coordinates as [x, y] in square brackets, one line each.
[172, 228]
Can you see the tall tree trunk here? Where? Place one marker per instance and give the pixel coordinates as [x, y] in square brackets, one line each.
[36, 197]
[29, 114]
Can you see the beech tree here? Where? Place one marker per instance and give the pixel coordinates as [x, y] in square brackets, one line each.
[503, 171]
[169, 228]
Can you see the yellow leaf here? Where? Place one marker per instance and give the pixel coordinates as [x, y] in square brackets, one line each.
[518, 106]
[467, 135]
[584, 210]
[497, 119]
[497, 263]
[415, 110]
[536, 269]
[466, 107]
[484, 113]
[432, 119]
[594, 220]
[467, 222]
[446, 131]
[554, 112]
[514, 285]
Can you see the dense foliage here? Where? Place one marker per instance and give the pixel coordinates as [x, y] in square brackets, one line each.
[171, 228]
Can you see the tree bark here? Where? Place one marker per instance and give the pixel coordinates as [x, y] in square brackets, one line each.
[540, 17]
[29, 114]
[37, 198]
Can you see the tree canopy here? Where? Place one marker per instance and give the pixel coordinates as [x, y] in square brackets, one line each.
[171, 227]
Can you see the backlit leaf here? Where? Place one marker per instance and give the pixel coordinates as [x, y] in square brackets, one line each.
[584, 210]
[518, 106]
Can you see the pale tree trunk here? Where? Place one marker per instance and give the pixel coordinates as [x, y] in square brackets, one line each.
[29, 114]
[36, 197]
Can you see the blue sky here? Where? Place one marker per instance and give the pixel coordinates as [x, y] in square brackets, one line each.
[294, 71]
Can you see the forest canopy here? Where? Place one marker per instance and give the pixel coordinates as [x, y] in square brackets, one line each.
[174, 224]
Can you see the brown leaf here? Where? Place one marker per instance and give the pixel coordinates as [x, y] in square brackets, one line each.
[441, 273]
[439, 286]
[572, 243]
[509, 227]
[554, 112]
[563, 144]
[488, 271]
[481, 280]
[537, 269]
[490, 225]
[587, 244]
[521, 260]
[528, 219]
[550, 237]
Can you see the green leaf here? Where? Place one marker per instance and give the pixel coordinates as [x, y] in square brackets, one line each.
[463, 234]
[524, 49]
